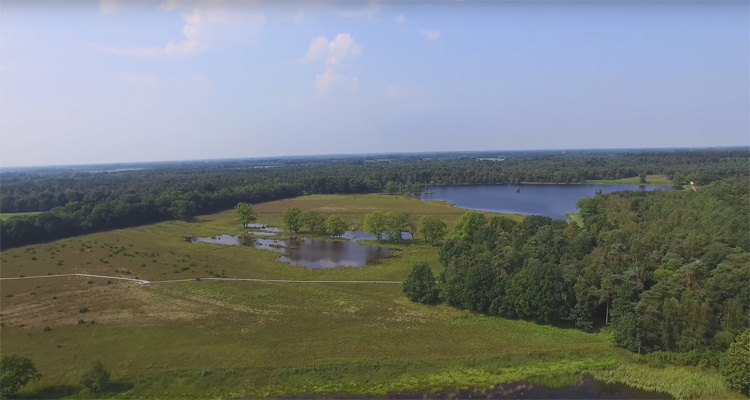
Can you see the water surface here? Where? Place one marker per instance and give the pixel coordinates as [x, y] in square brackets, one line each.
[309, 253]
[552, 200]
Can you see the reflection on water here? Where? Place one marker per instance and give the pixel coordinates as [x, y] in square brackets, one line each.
[317, 254]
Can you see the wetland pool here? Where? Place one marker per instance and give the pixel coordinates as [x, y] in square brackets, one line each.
[309, 253]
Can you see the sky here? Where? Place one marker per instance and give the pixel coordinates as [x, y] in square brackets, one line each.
[112, 81]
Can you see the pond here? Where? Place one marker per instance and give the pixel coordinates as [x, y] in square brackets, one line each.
[309, 253]
[588, 388]
[552, 200]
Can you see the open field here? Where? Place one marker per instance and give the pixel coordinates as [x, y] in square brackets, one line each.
[658, 180]
[5, 216]
[200, 339]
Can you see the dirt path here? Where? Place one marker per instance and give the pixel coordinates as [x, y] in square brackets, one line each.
[146, 282]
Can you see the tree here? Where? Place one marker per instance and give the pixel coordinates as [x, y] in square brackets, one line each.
[96, 378]
[736, 365]
[183, 210]
[335, 226]
[433, 229]
[245, 213]
[420, 286]
[469, 223]
[642, 177]
[16, 371]
[375, 223]
[395, 223]
[292, 219]
[390, 187]
[314, 221]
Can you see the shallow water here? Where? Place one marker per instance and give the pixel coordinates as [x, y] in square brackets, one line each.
[309, 253]
[552, 200]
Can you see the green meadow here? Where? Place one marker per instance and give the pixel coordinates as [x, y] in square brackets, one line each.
[201, 338]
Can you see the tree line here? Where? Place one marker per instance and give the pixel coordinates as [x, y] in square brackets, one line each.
[663, 270]
[74, 203]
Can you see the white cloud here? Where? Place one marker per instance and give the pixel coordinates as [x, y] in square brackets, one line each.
[334, 52]
[430, 34]
[370, 11]
[398, 92]
[200, 26]
[400, 19]
[330, 79]
[139, 79]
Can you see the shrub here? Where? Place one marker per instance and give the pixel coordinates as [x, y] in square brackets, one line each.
[83, 310]
[736, 365]
[15, 372]
[96, 378]
[47, 329]
[420, 285]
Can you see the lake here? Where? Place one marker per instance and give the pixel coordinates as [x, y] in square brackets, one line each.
[309, 253]
[552, 200]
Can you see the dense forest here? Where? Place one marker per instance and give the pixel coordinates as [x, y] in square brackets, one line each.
[664, 270]
[76, 202]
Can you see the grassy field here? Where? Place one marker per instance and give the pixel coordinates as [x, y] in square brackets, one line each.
[658, 180]
[201, 339]
[5, 216]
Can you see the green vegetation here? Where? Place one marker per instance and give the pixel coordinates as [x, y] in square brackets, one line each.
[433, 229]
[334, 226]
[16, 372]
[78, 203]
[420, 285]
[657, 180]
[7, 216]
[95, 378]
[736, 366]
[292, 220]
[575, 217]
[681, 289]
[275, 338]
[245, 213]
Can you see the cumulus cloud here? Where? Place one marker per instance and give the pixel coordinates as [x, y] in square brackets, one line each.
[334, 52]
[430, 34]
[200, 25]
[330, 79]
[370, 11]
[139, 79]
[400, 19]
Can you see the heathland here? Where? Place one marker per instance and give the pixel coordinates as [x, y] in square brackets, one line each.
[199, 338]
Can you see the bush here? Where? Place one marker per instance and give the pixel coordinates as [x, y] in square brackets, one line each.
[83, 310]
[96, 378]
[15, 372]
[420, 285]
[736, 365]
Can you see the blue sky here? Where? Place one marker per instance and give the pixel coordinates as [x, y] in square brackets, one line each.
[111, 81]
